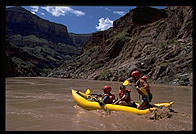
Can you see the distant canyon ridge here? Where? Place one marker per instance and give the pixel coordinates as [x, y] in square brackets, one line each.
[157, 42]
[35, 46]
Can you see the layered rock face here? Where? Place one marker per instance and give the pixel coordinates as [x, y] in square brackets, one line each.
[35, 46]
[21, 21]
[156, 42]
[21, 63]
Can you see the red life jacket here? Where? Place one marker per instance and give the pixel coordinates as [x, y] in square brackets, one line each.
[111, 98]
[121, 94]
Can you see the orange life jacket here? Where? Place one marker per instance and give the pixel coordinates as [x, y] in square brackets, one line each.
[111, 98]
[121, 94]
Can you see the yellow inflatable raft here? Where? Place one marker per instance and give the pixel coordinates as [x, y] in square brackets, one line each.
[82, 100]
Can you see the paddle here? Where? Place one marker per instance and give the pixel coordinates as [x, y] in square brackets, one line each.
[130, 81]
[119, 99]
[88, 91]
[125, 83]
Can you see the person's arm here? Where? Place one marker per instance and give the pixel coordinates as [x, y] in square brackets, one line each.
[126, 95]
[120, 99]
[138, 90]
[123, 97]
[146, 86]
[105, 98]
[130, 80]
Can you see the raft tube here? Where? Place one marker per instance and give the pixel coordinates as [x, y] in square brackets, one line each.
[81, 100]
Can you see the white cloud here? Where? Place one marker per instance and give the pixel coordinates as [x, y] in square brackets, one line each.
[62, 10]
[104, 24]
[42, 13]
[32, 12]
[107, 9]
[34, 9]
[121, 13]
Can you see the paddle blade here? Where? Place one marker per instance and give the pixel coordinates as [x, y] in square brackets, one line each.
[88, 91]
[126, 82]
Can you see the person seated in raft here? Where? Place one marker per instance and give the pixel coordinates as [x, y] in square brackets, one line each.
[125, 97]
[143, 89]
[107, 97]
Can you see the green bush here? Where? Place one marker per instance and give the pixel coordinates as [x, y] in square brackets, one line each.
[34, 38]
[122, 36]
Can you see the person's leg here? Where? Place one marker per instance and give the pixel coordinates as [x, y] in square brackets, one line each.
[122, 103]
[133, 105]
[142, 106]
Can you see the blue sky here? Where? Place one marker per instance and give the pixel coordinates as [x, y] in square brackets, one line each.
[82, 19]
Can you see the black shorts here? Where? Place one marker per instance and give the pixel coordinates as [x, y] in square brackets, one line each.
[146, 99]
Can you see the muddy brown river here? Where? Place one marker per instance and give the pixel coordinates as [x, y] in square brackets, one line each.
[46, 104]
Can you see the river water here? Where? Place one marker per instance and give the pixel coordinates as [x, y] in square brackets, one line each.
[46, 104]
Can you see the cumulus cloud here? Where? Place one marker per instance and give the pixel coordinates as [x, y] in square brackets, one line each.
[104, 24]
[42, 13]
[34, 9]
[121, 13]
[107, 9]
[62, 10]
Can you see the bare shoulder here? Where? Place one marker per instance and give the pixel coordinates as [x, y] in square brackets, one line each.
[144, 82]
[141, 80]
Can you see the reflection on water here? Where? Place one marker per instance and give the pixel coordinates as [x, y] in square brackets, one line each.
[47, 104]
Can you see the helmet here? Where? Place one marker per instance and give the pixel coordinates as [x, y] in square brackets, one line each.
[135, 74]
[144, 77]
[107, 89]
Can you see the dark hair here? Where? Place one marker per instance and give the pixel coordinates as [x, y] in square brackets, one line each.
[122, 87]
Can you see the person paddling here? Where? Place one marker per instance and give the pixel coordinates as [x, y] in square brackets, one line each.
[125, 97]
[143, 89]
[107, 97]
